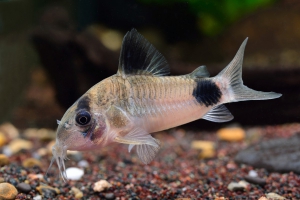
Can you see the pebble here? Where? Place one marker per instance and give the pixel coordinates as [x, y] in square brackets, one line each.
[37, 197]
[110, 196]
[3, 139]
[256, 180]
[10, 131]
[279, 155]
[231, 134]
[7, 191]
[42, 134]
[17, 145]
[233, 186]
[78, 194]
[243, 183]
[3, 160]
[263, 198]
[24, 187]
[83, 164]
[101, 185]
[207, 148]
[47, 191]
[252, 173]
[31, 162]
[74, 173]
[2, 180]
[273, 195]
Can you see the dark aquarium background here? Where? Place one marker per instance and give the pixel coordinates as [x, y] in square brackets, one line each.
[51, 52]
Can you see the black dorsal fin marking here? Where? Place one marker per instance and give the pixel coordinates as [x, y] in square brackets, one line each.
[138, 56]
[200, 72]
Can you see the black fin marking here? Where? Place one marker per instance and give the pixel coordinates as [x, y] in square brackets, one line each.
[83, 103]
[200, 72]
[207, 92]
[138, 56]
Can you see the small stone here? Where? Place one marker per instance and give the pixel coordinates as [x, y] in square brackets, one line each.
[2, 180]
[24, 187]
[48, 191]
[110, 196]
[83, 164]
[233, 186]
[7, 191]
[263, 198]
[37, 197]
[3, 139]
[231, 134]
[42, 152]
[252, 173]
[10, 131]
[78, 194]
[207, 148]
[3, 160]
[31, 162]
[43, 134]
[101, 186]
[273, 195]
[245, 184]
[35, 177]
[13, 181]
[74, 173]
[18, 144]
[256, 180]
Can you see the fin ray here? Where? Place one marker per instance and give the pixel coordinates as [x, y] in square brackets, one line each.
[232, 76]
[138, 56]
[147, 146]
[200, 72]
[218, 114]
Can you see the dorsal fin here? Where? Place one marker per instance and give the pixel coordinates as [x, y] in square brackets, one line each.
[200, 72]
[138, 56]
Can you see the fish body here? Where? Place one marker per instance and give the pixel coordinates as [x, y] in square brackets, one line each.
[140, 99]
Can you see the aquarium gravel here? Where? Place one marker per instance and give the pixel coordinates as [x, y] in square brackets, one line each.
[178, 172]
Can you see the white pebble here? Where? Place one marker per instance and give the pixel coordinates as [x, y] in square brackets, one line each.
[6, 151]
[252, 173]
[101, 185]
[83, 164]
[74, 173]
[38, 197]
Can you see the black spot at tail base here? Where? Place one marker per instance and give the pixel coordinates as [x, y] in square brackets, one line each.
[207, 92]
[83, 103]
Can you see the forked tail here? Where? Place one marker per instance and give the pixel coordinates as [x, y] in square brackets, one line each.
[231, 84]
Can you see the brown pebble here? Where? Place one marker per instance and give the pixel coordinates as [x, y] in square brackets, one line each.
[256, 180]
[231, 134]
[43, 187]
[78, 194]
[7, 191]
[3, 139]
[3, 160]
[31, 162]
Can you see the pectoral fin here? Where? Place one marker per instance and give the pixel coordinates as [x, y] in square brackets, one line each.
[147, 146]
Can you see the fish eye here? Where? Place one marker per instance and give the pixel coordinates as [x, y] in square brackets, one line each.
[83, 118]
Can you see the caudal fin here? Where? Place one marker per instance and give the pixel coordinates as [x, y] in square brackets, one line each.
[231, 83]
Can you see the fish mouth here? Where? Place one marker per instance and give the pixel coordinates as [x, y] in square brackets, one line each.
[59, 155]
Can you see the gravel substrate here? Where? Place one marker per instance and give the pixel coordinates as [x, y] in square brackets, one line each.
[177, 171]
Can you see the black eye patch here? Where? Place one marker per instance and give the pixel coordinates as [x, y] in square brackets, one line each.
[83, 118]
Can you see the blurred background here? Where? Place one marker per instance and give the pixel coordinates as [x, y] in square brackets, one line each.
[51, 52]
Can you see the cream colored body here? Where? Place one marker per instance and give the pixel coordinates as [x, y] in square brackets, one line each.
[152, 103]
